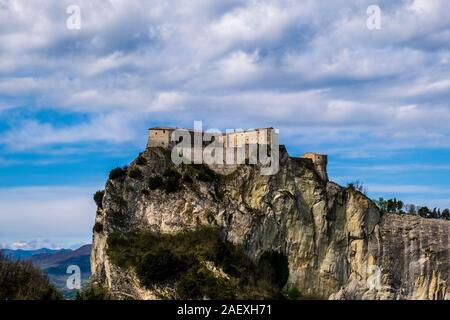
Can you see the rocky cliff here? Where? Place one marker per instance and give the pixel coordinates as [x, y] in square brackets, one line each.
[337, 244]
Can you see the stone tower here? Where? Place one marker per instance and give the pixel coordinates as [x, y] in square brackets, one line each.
[320, 162]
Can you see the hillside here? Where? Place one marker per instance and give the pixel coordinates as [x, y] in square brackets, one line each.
[54, 264]
[20, 280]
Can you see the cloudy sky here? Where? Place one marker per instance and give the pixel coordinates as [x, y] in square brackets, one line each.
[75, 103]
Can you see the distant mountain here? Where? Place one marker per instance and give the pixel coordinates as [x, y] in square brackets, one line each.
[46, 260]
[54, 263]
[20, 254]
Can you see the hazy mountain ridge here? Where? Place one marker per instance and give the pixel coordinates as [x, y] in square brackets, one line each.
[54, 263]
[21, 254]
[46, 260]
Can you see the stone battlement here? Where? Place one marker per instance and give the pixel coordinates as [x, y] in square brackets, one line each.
[162, 137]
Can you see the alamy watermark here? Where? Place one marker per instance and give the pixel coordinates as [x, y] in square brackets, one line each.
[373, 21]
[74, 280]
[73, 22]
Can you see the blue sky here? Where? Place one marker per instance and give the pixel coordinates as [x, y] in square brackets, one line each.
[76, 103]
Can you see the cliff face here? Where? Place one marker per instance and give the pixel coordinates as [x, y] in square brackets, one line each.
[337, 244]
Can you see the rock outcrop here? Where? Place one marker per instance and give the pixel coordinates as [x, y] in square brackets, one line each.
[337, 243]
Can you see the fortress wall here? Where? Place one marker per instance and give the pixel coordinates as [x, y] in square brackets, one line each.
[258, 136]
[159, 138]
[264, 136]
[251, 137]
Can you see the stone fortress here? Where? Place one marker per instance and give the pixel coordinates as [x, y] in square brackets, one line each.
[162, 137]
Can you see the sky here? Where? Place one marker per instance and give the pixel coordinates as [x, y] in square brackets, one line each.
[77, 102]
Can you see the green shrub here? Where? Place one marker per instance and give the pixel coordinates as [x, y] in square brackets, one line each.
[135, 173]
[200, 283]
[205, 174]
[155, 182]
[181, 257]
[118, 200]
[171, 180]
[98, 227]
[120, 250]
[19, 280]
[171, 173]
[203, 177]
[187, 178]
[98, 198]
[117, 219]
[93, 293]
[293, 294]
[158, 265]
[141, 161]
[171, 185]
[357, 186]
[118, 173]
[233, 260]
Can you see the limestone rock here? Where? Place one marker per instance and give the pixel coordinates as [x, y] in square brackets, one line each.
[338, 246]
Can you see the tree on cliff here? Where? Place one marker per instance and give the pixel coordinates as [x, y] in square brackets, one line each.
[397, 206]
[446, 214]
[357, 186]
[424, 212]
[390, 205]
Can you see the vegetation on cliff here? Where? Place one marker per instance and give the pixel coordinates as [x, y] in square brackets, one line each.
[93, 292]
[397, 206]
[201, 264]
[98, 198]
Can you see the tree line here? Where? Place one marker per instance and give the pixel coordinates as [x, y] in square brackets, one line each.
[399, 207]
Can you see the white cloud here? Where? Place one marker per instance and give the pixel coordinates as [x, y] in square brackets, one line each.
[19, 86]
[111, 128]
[258, 21]
[103, 64]
[238, 67]
[37, 212]
[284, 63]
